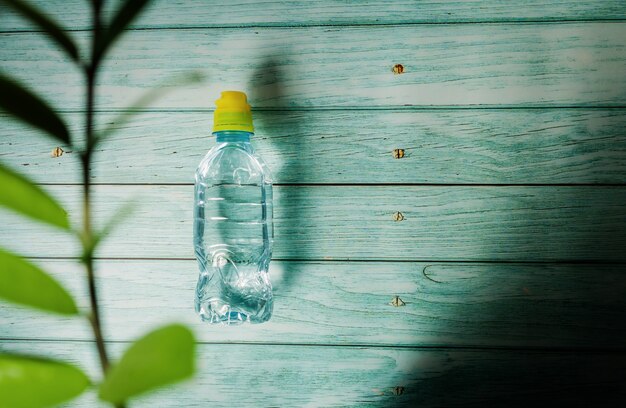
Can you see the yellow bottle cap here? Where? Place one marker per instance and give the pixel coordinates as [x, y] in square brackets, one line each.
[232, 113]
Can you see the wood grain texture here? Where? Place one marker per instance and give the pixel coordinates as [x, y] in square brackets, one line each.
[274, 375]
[199, 13]
[492, 92]
[348, 303]
[577, 64]
[440, 146]
[348, 222]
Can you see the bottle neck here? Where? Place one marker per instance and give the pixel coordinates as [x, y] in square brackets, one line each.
[232, 136]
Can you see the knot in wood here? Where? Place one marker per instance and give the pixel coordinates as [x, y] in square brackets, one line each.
[398, 216]
[397, 302]
[57, 152]
[398, 69]
[398, 153]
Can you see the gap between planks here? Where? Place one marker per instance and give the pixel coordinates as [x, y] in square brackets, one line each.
[322, 260]
[445, 185]
[504, 21]
[389, 108]
[550, 349]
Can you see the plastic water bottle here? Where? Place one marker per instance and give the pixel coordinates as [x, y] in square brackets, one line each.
[233, 227]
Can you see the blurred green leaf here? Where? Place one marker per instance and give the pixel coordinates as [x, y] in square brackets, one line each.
[24, 283]
[21, 195]
[147, 98]
[46, 24]
[122, 19]
[28, 107]
[163, 356]
[30, 382]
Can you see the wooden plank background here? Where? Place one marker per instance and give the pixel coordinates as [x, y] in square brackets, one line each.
[361, 376]
[478, 223]
[510, 253]
[199, 13]
[467, 146]
[350, 303]
[504, 64]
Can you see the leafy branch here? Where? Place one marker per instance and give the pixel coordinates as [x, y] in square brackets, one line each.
[163, 356]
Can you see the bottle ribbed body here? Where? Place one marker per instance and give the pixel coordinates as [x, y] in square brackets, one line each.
[233, 233]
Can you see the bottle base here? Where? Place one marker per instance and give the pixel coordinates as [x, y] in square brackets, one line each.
[230, 319]
[217, 312]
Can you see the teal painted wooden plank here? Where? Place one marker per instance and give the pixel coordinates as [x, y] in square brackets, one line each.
[357, 222]
[347, 303]
[440, 146]
[578, 64]
[199, 13]
[245, 375]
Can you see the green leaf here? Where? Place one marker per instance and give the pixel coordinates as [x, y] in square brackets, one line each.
[123, 17]
[28, 107]
[46, 24]
[24, 283]
[30, 382]
[164, 356]
[25, 197]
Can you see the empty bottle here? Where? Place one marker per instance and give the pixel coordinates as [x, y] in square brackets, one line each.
[233, 227]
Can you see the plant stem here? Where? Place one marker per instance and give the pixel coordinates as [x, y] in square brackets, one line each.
[91, 72]
[94, 319]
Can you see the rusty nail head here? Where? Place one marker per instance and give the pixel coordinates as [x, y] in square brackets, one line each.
[57, 152]
[398, 153]
[398, 69]
[397, 302]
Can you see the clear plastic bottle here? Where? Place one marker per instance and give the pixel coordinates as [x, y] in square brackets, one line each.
[233, 227]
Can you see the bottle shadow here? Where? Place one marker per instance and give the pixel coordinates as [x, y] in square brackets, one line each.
[278, 141]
